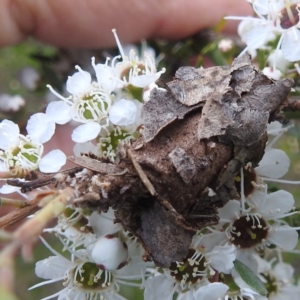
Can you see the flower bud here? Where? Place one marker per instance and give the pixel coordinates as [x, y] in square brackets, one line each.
[110, 253]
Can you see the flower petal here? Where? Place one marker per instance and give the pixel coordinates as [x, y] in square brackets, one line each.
[284, 237]
[283, 271]
[9, 134]
[221, 258]
[40, 127]
[59, 112]
[52, 267]
[103, 223]
[52, 161]
[210, 240]
[106, 77]
[274, 164]
[86, 132]
[212, 291]
[158, 287]
[255, 33]
[290, 45]
[276, 204]
[144, 80]
[79, 82]
[123, 113]
[230, 211]
[257, 198]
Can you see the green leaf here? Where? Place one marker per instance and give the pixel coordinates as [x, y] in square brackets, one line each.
[250, 278]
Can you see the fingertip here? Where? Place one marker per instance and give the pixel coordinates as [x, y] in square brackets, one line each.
[10, 32]
[186, 17]
[88, 24]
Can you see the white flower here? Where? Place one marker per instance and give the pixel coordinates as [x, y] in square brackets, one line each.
[261, 223]
[25, 152]
[271, 73]
[75, 274]
[275, 162]
[136, 71]
[276, 57]
[225, 45]
[114, 135]
[274, 17]
[73, 226]
[29, 77]
[114, 100]
[106, 76]
[11, 103]
[280, 279]
[83, 279]
[186, 277]
[88, 103]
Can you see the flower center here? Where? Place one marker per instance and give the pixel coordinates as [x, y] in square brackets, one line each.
[289, 16]
[134, 69]
[191, 270]
[109, 144]
[25, 155]
[270, 284]
[247, 231]
[93, 106]
[89, 276]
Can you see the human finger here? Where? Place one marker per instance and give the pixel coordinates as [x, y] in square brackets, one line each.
[88, 23]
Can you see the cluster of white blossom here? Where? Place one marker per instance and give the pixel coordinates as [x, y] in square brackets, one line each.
[109, 107]
[19, 152]
[276, 20]
[252, 231]
[101, 255]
